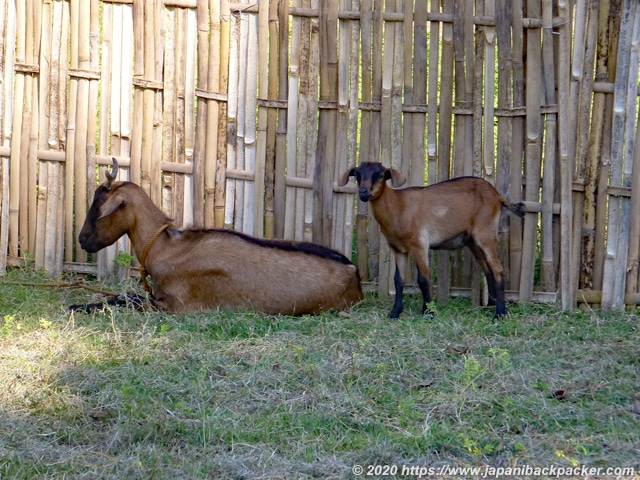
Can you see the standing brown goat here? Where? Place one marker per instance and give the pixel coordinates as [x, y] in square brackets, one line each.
[194, 270]
[449, 215]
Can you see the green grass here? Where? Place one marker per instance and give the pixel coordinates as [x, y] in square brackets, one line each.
[124, 394]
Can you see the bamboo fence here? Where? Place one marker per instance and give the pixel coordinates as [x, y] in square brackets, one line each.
[243, 114]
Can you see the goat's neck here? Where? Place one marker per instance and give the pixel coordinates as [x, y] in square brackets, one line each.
[147, 223]
[383, 207]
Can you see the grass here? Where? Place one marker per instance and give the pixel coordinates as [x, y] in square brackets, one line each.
[123, 394]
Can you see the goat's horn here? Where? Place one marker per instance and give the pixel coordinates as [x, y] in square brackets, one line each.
[112, 176]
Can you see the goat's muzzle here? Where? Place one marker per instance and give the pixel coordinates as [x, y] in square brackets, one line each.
[364, 194]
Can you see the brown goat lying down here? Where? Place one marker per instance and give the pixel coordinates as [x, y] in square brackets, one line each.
[449, 215]
[195, 270]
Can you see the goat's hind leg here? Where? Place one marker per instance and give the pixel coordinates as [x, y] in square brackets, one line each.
[493, 272]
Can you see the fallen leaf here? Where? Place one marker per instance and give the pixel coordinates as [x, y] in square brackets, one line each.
[457, 351]
[558, 395]
[344, 314]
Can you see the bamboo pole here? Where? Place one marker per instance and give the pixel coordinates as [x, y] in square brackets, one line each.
[591, 173]
[614, 22]
[31, 137]
[618, 214]
[170, 99]
[416, 62]
[325, 160]
[547, 270]
[365, 254]
[387, 265]
[221, 161]
[533, 150]
[312, 124]
[341, 214]
[249, 146]
[281, 137]
[178, 199]
[444, 138]
[566, 173]
[294, 134]
[16, 146]
[272, 119]
[432, 102]
[199, 195]
[189, 115]
[261, 134]
[354, 81]
[211, 142]
[232, 120]
[517, 143]
[7, 49]
[48, 83]
[505, 128]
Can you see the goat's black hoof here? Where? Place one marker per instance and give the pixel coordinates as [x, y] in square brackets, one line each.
[428, 311]
[395, 313]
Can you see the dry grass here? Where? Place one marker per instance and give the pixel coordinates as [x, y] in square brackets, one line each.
[123, 394]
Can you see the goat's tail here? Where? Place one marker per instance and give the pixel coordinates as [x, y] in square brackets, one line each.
[517, 208]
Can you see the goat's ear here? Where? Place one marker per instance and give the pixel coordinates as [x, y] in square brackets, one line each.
[344, 178]
[397, 178]
[113, 203]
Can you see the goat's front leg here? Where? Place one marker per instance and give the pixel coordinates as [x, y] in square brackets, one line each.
[398, 281]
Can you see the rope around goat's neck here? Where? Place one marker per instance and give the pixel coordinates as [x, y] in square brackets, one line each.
[143, 271]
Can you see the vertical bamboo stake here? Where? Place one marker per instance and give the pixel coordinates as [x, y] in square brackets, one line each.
[365, 249]
[432, 103]
[179, 152]
[232, 120]
[312, 123]
[280, 143]
[7, 48]
[272, 118]
[213, 84]
[33, 53]
[189, 122]
[444, 137]
[547, 271]
[583, 83]
[386, 265]
[614, 277]
[533, 150]
[419, 95]
[250, 129]
[48, 84]
[15, 165]
[518, 127]
[588, 259]
[169, 97]
[307, 100]
[505, 123]
[261, 135]
[221, 161]
[566, 173]
[605, 160]
[340, 214]
[325, 160]
[81, 119]
[292, 127]
[199, 205]
[354, 82]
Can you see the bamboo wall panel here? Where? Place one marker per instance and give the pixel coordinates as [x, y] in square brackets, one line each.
[243, 114]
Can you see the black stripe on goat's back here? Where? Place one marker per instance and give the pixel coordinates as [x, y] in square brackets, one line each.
[309, 248]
